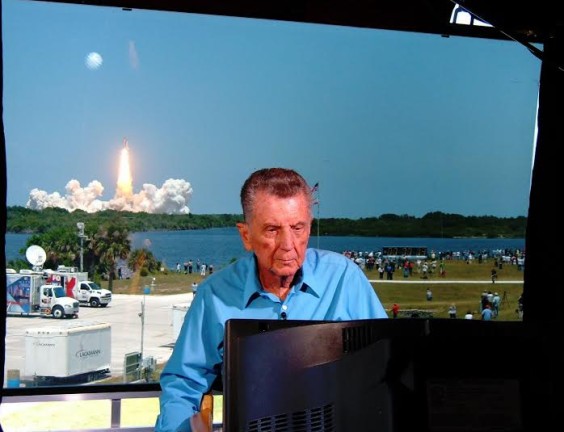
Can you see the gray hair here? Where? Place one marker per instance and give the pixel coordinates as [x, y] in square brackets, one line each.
[281, 182]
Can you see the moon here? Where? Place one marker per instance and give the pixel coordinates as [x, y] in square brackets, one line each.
[93, 60]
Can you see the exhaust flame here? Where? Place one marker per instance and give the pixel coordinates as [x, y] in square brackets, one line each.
[124, 181]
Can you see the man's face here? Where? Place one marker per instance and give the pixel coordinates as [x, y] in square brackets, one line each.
[278, 233]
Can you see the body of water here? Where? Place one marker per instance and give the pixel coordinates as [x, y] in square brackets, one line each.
[219, 246]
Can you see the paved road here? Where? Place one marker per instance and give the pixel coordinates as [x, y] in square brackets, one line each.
[123, 316]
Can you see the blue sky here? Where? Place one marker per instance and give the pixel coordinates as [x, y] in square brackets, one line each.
[386, 122]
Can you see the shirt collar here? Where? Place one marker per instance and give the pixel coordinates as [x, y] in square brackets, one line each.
[308, 277]
[304, 279]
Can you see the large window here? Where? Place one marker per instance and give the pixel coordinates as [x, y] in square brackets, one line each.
[384, 122]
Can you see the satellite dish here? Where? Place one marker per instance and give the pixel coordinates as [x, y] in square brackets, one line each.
[36, 255]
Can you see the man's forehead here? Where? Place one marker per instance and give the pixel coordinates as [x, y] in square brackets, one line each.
[268, 202]
[275, 211]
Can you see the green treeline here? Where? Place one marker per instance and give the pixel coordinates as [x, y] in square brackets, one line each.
[23, 220]
[435, 224]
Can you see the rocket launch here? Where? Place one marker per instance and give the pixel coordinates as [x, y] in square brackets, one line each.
[124, 181]
[171, 198]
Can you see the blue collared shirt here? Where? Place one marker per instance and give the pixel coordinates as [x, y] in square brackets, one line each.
[329, 287]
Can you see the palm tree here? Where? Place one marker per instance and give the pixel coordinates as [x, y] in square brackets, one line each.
[143, 259]
[60, 244]
[110, 243]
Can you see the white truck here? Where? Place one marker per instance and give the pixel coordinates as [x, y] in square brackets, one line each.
[78, 286]
[28, 294]
[74, 352]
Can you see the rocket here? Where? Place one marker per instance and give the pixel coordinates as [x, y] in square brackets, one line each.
[125, 144]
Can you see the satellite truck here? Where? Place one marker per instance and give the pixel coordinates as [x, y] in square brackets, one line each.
[27, 294]
[77, 285]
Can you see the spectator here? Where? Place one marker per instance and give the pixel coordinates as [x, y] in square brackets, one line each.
[484, 301]
[496, 303]
[395, 310]
[487, 313]
[520, 306]
[381, 271]
[389, 271]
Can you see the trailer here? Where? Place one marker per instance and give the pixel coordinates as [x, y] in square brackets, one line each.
[178, 313]
[27, 294]
[73, 351]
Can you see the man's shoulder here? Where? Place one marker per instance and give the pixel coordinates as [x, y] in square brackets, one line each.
[321, 258]
[325, 255]
[236, 269]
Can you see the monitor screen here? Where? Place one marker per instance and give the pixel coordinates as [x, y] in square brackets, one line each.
[433, 375]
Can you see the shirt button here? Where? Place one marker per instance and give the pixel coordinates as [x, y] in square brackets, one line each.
[284, 307]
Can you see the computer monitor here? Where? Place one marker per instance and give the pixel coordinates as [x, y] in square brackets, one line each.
[434, 375]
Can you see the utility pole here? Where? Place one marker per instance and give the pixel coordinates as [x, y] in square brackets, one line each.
[81, 236]
[146, 290]
[318, 221]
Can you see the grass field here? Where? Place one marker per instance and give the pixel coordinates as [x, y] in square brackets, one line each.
[467, 282]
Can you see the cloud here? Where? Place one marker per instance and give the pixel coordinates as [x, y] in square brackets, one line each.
[171, 198]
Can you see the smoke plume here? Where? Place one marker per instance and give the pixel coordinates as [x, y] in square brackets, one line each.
[171, 198]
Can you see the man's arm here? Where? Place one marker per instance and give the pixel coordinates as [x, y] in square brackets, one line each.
[190, 370]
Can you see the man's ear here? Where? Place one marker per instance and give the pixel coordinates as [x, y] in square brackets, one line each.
[245, 237]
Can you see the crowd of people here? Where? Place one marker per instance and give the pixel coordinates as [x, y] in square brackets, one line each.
[510, 256]
[375, 260]
[198, 267]
[489, 305]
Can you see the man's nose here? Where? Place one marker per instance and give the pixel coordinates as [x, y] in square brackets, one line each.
[286, 239]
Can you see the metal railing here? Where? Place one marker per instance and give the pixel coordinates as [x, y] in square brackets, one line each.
[115, 393]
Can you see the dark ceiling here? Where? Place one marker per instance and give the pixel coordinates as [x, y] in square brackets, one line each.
[527, 21]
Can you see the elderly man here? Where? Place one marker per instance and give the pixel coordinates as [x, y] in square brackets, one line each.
[280, 279]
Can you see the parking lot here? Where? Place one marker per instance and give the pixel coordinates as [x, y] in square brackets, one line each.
[126, 329]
